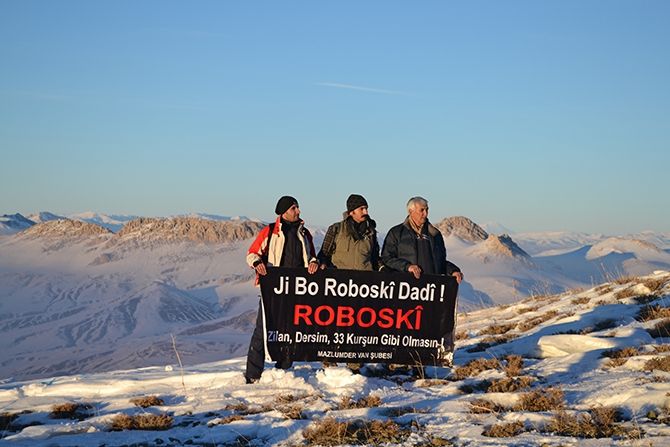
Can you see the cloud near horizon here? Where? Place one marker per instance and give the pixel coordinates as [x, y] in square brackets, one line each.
[40, 95]
[365, 89]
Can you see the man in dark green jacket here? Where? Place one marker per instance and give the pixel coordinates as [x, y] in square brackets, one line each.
[351, 244]
[416, 246]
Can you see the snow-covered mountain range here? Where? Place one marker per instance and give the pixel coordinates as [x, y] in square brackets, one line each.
[10, 224]
[77, 296]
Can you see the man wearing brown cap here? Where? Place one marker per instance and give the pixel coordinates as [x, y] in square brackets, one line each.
[284, 243]
[351, 244]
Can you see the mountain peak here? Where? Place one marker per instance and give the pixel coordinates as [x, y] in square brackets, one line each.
[189, 229]
[13, 223]
[505, 247]
[45, 216]
[496, 228]
[65, 228]
[463, 228]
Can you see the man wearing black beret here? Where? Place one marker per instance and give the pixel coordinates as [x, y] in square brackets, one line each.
[284, 243]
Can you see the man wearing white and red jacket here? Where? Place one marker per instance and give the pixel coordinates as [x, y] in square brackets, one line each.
[285, 243]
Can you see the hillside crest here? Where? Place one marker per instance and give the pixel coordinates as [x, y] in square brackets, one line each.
[463, 228]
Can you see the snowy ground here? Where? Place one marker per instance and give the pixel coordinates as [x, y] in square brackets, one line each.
[561, 340]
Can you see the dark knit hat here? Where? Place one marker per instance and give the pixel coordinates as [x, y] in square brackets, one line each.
[354, 201]
[284, 204]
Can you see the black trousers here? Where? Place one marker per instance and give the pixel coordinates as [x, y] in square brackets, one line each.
[256, 354]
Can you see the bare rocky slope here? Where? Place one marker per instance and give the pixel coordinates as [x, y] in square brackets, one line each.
[189, 229]
[504, 246]
[64, 228]
[463, 228]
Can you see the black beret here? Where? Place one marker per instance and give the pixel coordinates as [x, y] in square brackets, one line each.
[354, 201]
[284, 204]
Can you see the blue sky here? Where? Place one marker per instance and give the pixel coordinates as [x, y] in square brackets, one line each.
[538, 115]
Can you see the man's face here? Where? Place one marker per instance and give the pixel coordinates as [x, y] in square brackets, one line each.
[419, 214]
[359, 214]
[292, 214]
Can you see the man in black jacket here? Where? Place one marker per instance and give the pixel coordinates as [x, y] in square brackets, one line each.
[416, 246]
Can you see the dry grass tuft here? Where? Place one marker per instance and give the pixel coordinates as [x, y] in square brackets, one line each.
[654, 379]
[523, 310]
[529, 324]
[658, 363]
[661, 329]
[514, 365]
[401, 411]
[648, 313]
[364, 402]
[263, 409]
[615, 363]
[141, 422]
[474, 367]
[655, 284]
[621, 353]
[599, 326]
[492, 341]
[628, 292]
[329, 432]
[512, 368]
[438, 442]
[665, 347]
[497, 329]
[544, 297]
[624, 280]
[488, 342]
[289, 407]
[147, 401]
[505, 430]
[432, 382]
[246, 410]
[293, 412]
[483, 406]
[580, 300]
[231, 418]
[290, 398]
[240, 407]
[603, 289]
[542, 399]
[599, 422]
[510, 385]
[500, 339]
[567, 314]
[71, 411]
[462, 335]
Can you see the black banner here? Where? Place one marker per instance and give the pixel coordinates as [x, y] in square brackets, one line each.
[352, 316]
